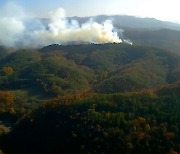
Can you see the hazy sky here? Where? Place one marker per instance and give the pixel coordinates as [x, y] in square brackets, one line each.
[161, 9]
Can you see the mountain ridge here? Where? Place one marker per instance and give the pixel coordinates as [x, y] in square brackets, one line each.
[126, 21]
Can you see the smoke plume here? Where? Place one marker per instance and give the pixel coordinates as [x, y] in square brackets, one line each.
[18, 31]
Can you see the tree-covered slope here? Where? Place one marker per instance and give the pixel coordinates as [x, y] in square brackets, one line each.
[108, 98]
[121, 67]
[146, 122]
[107, 68]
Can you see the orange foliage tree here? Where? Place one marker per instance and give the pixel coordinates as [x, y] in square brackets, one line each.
[6, 100]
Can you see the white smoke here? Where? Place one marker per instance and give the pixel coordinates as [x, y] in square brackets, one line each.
[11, 25]
[127, 41]
[16, 32]
[11, 30]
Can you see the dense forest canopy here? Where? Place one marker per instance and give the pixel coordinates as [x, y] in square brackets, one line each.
[90, 98]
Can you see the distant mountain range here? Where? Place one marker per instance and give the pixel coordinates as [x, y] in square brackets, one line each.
[161, 38]
[121, 21]
[132, 22]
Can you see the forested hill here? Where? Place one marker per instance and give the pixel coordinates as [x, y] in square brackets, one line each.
[106, 68]
[146, 122]
[89, 98]
[120, 67]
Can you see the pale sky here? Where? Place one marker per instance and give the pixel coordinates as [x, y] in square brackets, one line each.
[168, 10]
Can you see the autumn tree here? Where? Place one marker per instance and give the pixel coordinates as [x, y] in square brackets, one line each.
[103, 75]
[6, 101]
[8, 70]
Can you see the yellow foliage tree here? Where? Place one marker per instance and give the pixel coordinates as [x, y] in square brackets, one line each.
[8, 70]
[103, 75]
[6, 100]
